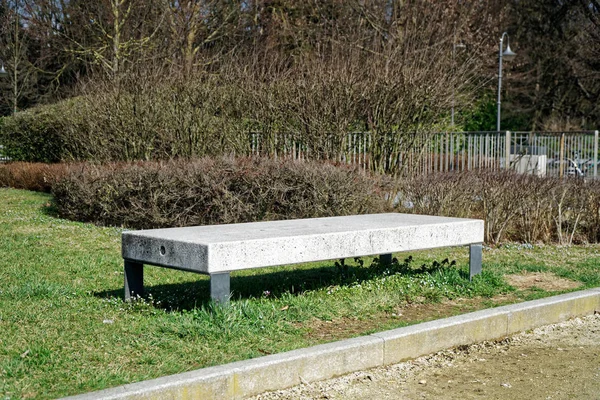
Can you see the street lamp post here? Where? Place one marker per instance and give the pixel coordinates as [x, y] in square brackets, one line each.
[3, 73]
[509, 55]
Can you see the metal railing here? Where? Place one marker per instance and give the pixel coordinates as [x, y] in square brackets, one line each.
[543, 153]
[566, 153]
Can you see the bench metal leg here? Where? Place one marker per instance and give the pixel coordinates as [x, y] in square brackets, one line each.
[219, 287]
[475, 259]
[385, 259]
[134, 279]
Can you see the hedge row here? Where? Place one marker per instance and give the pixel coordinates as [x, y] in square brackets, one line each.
[214, 191]
[515, 207]
[144, 121]
[37, 135]
[39, 177]
[156, 116]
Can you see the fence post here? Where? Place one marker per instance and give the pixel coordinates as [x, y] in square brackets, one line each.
[507, 151]
[446, 152]
[561, 170]
[595, 154]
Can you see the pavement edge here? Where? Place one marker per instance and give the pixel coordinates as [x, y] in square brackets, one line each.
[250, 377]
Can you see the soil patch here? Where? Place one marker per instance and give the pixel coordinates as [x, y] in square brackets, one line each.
[421, 311]
[407, 314]
[341, 327]
[541, 280]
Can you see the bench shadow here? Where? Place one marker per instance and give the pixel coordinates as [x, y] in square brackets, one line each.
[273, 284]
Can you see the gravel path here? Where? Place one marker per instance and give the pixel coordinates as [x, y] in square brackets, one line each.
[560, 361]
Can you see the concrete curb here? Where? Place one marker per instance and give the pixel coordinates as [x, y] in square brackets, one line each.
[250, 377]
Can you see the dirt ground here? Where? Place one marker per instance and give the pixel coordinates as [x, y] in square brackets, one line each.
[421, 310]
[541, 280]
[560, 361]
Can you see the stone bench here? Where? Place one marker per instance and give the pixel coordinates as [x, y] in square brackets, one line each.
[217, 250]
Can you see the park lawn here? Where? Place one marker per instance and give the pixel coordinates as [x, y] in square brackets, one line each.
[64, 328]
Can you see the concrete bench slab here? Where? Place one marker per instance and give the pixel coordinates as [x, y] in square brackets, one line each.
[217, 250]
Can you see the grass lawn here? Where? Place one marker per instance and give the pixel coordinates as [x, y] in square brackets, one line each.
[64, 328]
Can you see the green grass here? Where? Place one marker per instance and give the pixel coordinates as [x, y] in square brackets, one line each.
[64, 328]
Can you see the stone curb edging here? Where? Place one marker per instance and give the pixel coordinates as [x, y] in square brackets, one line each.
[250, 377]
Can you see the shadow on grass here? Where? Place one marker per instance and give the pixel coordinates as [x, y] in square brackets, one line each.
[275, 284]
[50, 210]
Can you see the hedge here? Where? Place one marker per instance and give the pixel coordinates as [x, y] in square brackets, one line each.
[215, 191]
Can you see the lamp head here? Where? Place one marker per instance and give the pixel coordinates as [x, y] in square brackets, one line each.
[3, 72]
[508, 54]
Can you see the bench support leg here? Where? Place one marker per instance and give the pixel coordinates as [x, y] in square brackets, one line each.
[385, 259]
[134, 279]
[219, 287]
[475, 258]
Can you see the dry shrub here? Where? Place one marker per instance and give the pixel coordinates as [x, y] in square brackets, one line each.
[568, 201]
[533, 221]
[591, 223]
[214, 191]
[38, 177]
[515, 207]
[439, 194]
[502, 193]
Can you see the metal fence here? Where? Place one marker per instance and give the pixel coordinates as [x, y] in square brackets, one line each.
[542, 153]
[566, 153]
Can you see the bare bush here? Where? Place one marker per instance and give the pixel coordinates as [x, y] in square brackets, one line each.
[591, 221]
[214, 191]
[38, 177]
[568, 201]
[515, 207]
[534, 222]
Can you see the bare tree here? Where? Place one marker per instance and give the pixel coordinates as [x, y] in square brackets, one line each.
[199, 30]
[112, 34]
[22, 72]
[557, 71]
